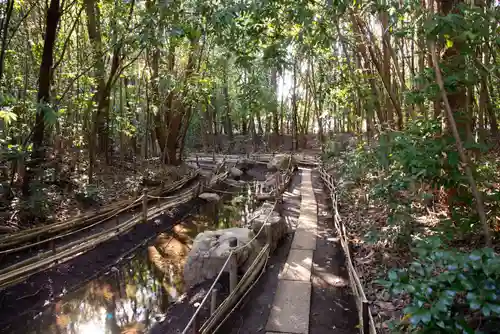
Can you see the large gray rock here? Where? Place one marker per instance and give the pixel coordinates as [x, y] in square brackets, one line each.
[211, 197]
[279, 161]
[235, 172]
[278, 228]
[271, 180]
[211, 249]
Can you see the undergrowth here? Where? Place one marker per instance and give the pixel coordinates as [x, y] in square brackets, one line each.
[450, 283]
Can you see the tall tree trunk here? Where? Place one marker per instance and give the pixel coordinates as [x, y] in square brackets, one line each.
[274, 110]
[294, 108]
[43, 97]
[386, 65]
[187, 108]
[461, 151]
[97, 123]
[453, 59]
[5, 33]
[228, 126]
[363, 30]
[361, 48]
[318, 102]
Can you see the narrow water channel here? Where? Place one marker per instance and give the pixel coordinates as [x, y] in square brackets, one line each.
[137, 293]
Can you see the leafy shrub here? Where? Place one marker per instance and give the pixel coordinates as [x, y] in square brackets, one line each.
[88, 195]
[447, 288]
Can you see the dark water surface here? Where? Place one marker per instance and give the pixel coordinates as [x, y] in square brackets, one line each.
[137, 293]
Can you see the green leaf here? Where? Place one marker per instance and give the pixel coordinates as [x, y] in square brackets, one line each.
[495, 308]
[417, 267]
[393, 275]
[486, 310]
[7, 115]
[49, 114]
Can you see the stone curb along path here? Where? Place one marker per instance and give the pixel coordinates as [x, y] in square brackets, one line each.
[292, 301]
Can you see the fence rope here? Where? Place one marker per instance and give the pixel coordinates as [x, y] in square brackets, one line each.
[367, 325]
[21, 270]
[233, 252]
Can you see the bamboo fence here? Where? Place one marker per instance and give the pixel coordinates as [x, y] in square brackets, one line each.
[263, 158]
[366, 322]
[221, 313]
[42, 234]
[22, 270]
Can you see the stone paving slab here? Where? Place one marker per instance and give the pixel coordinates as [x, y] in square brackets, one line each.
[304, 239]
[292, 300]
[290, 311]
[307, 223]
[298, 265]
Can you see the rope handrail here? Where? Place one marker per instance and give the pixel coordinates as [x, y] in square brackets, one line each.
[233, 251]
[206, 296]
[260, 230]
[25, 235]
[21, 270]
[244, 295]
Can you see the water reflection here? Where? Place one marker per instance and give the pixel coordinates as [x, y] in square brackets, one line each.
[137, 294]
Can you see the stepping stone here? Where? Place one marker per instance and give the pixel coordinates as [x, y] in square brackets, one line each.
[291, 307]
[304, 239]
[298, 265]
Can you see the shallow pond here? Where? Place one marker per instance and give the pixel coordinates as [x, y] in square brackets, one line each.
[138, 292]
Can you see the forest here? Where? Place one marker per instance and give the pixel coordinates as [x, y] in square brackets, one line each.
[400, 99]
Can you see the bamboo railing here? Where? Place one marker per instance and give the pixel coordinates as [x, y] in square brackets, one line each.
[39, 235]
[261, 158]
[238, 288]
[366, 322]
[218, 315]
[22, 270]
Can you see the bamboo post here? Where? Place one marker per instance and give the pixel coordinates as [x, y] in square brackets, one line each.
[269, 234]
[366, 318]
[213, 301]
[145, 205]
[233, 266]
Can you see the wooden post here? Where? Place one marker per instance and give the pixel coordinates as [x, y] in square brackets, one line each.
[213, 301]
[233, 265]
[145, 205]
[269, 234]
[366, 318]
[197, 162]
[280, 181]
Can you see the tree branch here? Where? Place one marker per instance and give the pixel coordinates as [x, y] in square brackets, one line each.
[460, 147]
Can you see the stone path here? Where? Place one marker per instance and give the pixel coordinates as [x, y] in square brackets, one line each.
[292, 301]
